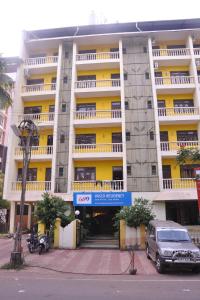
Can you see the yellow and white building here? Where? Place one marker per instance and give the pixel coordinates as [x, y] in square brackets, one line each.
[113, 104]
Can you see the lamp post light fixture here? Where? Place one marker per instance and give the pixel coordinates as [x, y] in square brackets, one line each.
[26, 132]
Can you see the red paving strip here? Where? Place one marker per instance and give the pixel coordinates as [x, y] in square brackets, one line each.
[86, 261]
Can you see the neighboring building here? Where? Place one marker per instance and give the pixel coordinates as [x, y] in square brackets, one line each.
[113, 104]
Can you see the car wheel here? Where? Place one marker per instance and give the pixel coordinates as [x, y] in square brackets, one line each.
[147, 252]
[159, 265]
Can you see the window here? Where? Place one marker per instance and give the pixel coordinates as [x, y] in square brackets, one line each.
[25, 210]
[86, 107]
[125, 76]
[128, 170]
[34, 140]
[66, 55]
[161, 108]
[114, 49]
[126, 105]
[85, 139]
[124, 50]
[149, 104]
[175, 46]
[187, 171]
[31, 174]
[128, 136]
[155, 47]
[151, 135]
[37, 55]
[61, 172]
[147, 75]
[153, 170]
[183, 103]
[33, 110]
[51, 108]
[63, 107]
[91, 81]
[85, 174]
[187, 135]
[35, 81]
[145, 49]
[62, 138]
[87, 51]
[116, 105]
[179, 73]
[158, 74]
[65, 79]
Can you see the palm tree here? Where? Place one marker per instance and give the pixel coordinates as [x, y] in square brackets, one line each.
[6, 84]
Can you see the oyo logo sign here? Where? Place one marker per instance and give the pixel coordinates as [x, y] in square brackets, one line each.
[84, 199]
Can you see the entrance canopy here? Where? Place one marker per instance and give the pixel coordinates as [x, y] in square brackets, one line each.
[102, 199]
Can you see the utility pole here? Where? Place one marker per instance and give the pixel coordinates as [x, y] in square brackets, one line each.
[25, 132]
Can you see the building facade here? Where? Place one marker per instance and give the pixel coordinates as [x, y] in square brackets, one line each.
[113, 105]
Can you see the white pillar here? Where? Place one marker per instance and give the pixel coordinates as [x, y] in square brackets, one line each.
[29, 216]
[12, 216]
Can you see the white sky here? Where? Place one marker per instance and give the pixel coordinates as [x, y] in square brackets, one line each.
[18, 15]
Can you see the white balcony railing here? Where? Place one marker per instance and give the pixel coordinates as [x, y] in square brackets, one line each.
[174, 80]
[179, 183]
[94, 148]
[171, 52]
[88, 84]
[38, 118]
[41, 60]
[35, 88]
[175, 146]
[196, 51]
[35, 150]
[98, 185]
[32, 186]
[177, 111]
[97, 114]
[97, 56]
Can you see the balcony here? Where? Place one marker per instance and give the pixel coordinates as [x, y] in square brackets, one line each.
[179, 183]
[41, 186]
[97, 151]
[39, 91]
[101, 60]
[178, 114]
[92, 88]
[97, 118]
[98, 185]
[37, 153]
[39, 65]
[171, 56]
[175, 84]
[42, 119]
[171, 148]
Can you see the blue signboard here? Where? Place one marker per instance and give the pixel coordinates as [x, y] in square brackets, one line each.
[102, 199]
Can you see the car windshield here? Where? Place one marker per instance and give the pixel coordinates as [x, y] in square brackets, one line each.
[173, 236]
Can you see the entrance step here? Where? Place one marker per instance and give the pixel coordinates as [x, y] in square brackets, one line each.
[103, 242]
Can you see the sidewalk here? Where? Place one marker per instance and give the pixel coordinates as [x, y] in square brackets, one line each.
[87, 261]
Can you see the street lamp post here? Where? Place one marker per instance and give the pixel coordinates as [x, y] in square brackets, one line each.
[25, 132]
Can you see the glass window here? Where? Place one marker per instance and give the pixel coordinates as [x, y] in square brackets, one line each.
[183, 103]
[86, 106]
[175, 46]
[187, 171]
[85, 174]
[173, 235]
[35, 81]
[31, 174]
[187, 135]
[85, 139]
[61, 172]
[33, 110]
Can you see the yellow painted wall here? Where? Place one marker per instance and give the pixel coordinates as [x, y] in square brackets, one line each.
[167, 69]
[102, 103]
[103, 167]
[169, 98]
[163, 45]
[44, 103]
[99, 48]
[48, 52]
[47, 77]
[41, 167]
[100, 74]
[103, 135]
[173, 128]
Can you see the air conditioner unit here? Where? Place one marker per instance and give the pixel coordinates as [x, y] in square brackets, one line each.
[26, 73]
[155, 65]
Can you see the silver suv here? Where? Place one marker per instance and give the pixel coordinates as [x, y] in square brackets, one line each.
[168, 243]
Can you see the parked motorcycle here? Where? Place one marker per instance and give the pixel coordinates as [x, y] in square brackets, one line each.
[32, 242]
[43, 243]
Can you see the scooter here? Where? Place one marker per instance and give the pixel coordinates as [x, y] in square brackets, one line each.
[43, 243]
[32, 242]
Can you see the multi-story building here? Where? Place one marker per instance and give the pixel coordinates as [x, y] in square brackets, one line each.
[3, 138]
[113, 105]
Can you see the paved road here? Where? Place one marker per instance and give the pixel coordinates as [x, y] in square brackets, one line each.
[26, 285]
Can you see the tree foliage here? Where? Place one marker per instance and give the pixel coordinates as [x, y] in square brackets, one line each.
[6, 85]
[187, 154]
[140, 213]
[50, 208]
